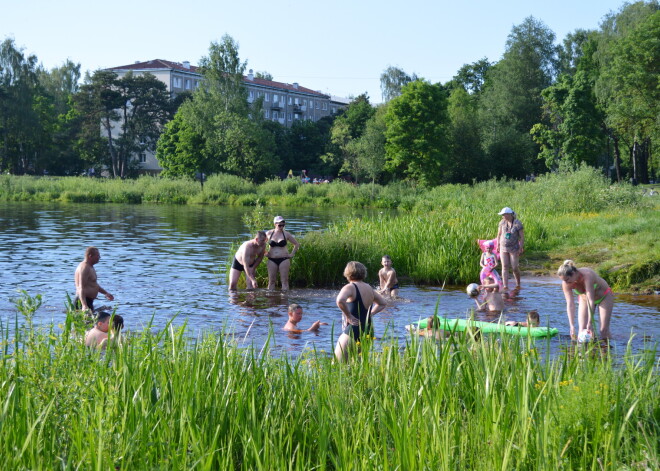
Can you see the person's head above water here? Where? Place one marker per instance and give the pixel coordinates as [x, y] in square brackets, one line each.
[355, 271]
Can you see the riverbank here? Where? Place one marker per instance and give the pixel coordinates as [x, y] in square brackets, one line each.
[456, 404]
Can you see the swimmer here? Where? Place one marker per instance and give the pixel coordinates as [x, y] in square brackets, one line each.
[389, 284]
[492, 298]
[87, 286]
[295, 316]
[248, 257]
[533, 320]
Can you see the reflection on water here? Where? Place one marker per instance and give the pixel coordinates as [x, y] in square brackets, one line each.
[168, 261]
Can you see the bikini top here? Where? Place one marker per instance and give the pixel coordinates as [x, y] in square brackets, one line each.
[578, 293]
[272, 243]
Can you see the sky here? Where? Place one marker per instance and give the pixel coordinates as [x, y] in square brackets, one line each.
[338, 47]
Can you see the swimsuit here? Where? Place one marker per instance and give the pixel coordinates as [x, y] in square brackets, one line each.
[489, 270]
[277, 261]
[396, 286]
[596, 303]
[360, 311]
[281, 243]
[236, 265]
[78, 304]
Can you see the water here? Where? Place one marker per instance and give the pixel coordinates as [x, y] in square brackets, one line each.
[168, 263]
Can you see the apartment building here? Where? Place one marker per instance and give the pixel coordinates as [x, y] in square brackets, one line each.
[282, 102]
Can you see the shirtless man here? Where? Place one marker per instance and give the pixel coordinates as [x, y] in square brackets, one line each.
[248, 257]
[87, 288]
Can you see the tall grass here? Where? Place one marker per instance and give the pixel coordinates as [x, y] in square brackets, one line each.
[171, 401]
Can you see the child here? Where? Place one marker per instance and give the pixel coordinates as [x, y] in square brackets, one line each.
[488, 263]
[295, 316]
[533, 320]
[389, 284]
[97, 336]
[492, 297]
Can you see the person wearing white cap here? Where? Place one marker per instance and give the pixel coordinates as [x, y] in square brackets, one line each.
[279, 257]
[510, 244]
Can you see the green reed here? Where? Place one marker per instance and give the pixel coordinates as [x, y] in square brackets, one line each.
[169, 400]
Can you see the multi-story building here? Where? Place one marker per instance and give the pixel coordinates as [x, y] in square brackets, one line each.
[282, 102]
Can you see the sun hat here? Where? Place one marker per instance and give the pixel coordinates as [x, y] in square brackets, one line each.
[506, 210]
[278, 219]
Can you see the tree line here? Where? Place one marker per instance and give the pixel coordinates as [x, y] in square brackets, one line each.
[593, 99]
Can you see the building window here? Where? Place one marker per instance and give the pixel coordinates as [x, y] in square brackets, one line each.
[251, 94]
[296, 101]
[305, 102]
[267, 96]
[311, 104]
[142, 157]
[290, 100]
[334, 109]
[177, 82]
[325, 106]
[275, 98]
[289, 116]
[267, 113]
[274, 114]
[317, 105]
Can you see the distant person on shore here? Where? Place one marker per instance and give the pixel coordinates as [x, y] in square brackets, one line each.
[358, 302]
[533, 320]
[492, 300]
[592, 291]
[87, 287]
[388, 282]
[295, 316]
[247, 258]
[279, 257]
[510, 244]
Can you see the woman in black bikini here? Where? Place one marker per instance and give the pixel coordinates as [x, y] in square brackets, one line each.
[279, 257]
[358, 301]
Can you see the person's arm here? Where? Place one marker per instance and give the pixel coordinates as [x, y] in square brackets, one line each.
[590, 294]
[106, 294]
[570, 306]
[315, 326]
[382, 284]
[481, 260]
[294, 242]
[251, 271]
[389, 283]
[497, 239]
[380, 303]
[342, 299]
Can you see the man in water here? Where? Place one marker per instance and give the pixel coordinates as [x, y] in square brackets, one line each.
[248, 257]
[87, 288]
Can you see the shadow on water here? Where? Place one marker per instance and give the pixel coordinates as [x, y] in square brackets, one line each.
[161, 262]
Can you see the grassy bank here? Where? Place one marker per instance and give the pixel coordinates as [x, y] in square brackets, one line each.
[578, 216]
[169, 401]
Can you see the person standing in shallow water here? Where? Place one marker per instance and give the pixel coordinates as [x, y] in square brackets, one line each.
[87, 286]
[248, 257]
[279, 257]
[592, 291]
[510, 244]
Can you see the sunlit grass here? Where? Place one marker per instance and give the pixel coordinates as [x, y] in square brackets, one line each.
[171, 401]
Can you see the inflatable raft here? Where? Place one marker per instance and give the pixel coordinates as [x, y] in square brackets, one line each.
[459, 325]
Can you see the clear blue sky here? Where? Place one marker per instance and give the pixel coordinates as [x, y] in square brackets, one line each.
[339, 47]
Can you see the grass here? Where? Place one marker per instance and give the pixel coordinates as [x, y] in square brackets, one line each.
[171, 401]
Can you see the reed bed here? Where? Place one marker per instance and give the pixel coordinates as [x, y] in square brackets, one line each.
[168, 400]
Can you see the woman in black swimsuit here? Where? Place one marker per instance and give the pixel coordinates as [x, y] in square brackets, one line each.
[358, 301]
[279, 257]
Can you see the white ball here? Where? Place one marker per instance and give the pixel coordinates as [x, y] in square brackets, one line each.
[584, 336]
[472, 289]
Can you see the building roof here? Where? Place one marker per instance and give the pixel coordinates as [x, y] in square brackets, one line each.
[160, 64]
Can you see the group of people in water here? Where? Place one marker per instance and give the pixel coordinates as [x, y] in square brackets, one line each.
[358, 301]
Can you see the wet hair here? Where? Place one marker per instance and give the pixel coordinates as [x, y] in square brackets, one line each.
[533, 318]
[387, 257]
[91, 250]
[117, 322]
[294, 307]
[102, 316]
[567, 268]
[355, 271]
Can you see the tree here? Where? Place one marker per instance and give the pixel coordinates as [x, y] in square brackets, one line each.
[417, 144]
[180, 150]
[263, 75]
[370, 147]
[392, 80]
[511, 104]
[132, 111]
[466, 162]
[472, 77]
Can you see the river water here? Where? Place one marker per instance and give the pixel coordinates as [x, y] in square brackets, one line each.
[166, 263]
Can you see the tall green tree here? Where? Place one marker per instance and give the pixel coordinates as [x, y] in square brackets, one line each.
[417, 146]
[369, 148]
[466, 159]
[392, 80]
[132, 111]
